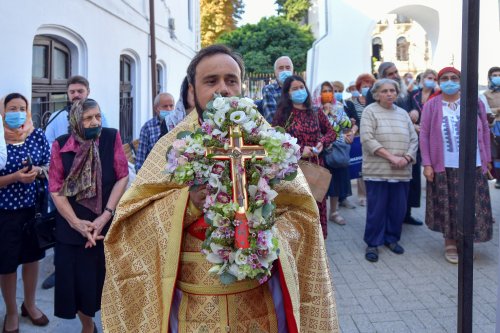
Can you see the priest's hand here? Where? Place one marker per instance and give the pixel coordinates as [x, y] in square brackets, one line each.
[198, 195]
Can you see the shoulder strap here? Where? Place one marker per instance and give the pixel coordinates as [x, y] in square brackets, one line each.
[52, 119]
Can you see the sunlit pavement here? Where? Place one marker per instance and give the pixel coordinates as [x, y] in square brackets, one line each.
[413, 292]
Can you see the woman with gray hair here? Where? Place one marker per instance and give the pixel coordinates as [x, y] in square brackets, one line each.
[87, 176]
[389, 143]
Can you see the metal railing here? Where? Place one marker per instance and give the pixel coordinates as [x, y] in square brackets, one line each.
[41, 111]
[126, 118]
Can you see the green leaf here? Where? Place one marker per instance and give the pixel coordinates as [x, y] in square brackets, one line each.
[184, 134]
[267, 209]
[227, 278]
[280, 129]
[291, 176]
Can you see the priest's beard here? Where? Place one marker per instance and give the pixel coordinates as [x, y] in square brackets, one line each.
[197, 104]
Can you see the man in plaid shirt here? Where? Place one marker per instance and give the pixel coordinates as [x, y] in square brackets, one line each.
[283, 68]
[156, 127]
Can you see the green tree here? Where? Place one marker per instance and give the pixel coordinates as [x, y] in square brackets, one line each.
[217, 17]
[293, 10]
[262, 43]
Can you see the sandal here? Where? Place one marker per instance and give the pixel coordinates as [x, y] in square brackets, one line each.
[451, 254]
[371, 254]
[336, 218]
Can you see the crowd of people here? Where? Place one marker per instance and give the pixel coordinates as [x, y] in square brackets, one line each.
[401, 125]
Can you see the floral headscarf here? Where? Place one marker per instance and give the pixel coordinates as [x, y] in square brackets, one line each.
[85, 177]
[17, 135]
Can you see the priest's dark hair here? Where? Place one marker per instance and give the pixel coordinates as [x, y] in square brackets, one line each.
[211, 51]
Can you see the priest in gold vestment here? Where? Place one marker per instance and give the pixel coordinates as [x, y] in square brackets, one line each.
[157, 279]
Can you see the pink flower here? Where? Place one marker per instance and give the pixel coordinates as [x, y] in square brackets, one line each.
[223, 198]
[179, 144]
[234, 104]
[218, 169]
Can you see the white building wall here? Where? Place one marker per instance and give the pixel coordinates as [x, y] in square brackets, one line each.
[346, 50]
[101, 30]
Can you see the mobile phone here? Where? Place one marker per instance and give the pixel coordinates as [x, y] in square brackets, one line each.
[29, 163]
[315, 150]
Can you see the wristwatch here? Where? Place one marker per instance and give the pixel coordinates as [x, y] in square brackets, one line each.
[111, 211]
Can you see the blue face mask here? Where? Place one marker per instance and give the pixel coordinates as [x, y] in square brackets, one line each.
[163, 114]
[172, 118]
[495, 80]
[355, 93]
[15, 119]
[92, 132]
[364, 91]
[449, 87]
[430, 84]
[282, 76]
[339, 96]
[299, 96]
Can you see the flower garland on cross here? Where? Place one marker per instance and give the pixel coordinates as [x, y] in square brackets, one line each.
[243, 160]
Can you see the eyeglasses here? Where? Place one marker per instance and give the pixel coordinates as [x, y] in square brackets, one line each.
[452, 78]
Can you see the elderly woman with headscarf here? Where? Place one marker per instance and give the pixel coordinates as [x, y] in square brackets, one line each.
[88, 175]
[439, 146]
[340, 184]
[27, 152]
[389, 148]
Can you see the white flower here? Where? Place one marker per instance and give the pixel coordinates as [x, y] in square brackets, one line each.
[234, 270]
[246, 102]
[249, 126]
[238, 117]
[219, 103]
[219, 118]
[214, 259]
[240, 258]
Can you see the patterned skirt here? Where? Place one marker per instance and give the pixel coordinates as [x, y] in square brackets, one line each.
[442, 205]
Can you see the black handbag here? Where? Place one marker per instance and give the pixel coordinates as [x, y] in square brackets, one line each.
[337, 155]
[44, 222]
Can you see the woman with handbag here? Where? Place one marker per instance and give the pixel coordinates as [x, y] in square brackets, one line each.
[27, 152]
[389, 145]
[340, 184]
[311, 128]
[88, 175]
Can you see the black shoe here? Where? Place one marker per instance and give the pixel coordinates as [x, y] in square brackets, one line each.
[371, 254]
[395, 248]
[49, 282]
[413, 221]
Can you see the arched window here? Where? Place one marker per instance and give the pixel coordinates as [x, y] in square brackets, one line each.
[377, 47]
[126, 98]
[51, 68]
[402, 47]
[160, 79]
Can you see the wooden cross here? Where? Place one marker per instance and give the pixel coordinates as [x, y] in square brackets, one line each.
[238, 153]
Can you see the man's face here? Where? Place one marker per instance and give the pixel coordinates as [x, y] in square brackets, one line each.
[495, 74]
[218, 73]
[283, 64]
[77, 92]
[392, 73]
[166, 104]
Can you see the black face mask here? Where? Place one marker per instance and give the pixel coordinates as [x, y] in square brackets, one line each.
[91, 133]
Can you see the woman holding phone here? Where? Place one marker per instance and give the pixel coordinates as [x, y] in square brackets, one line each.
[27, 152]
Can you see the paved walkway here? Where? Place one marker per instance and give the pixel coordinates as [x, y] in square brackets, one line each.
[413, 292]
